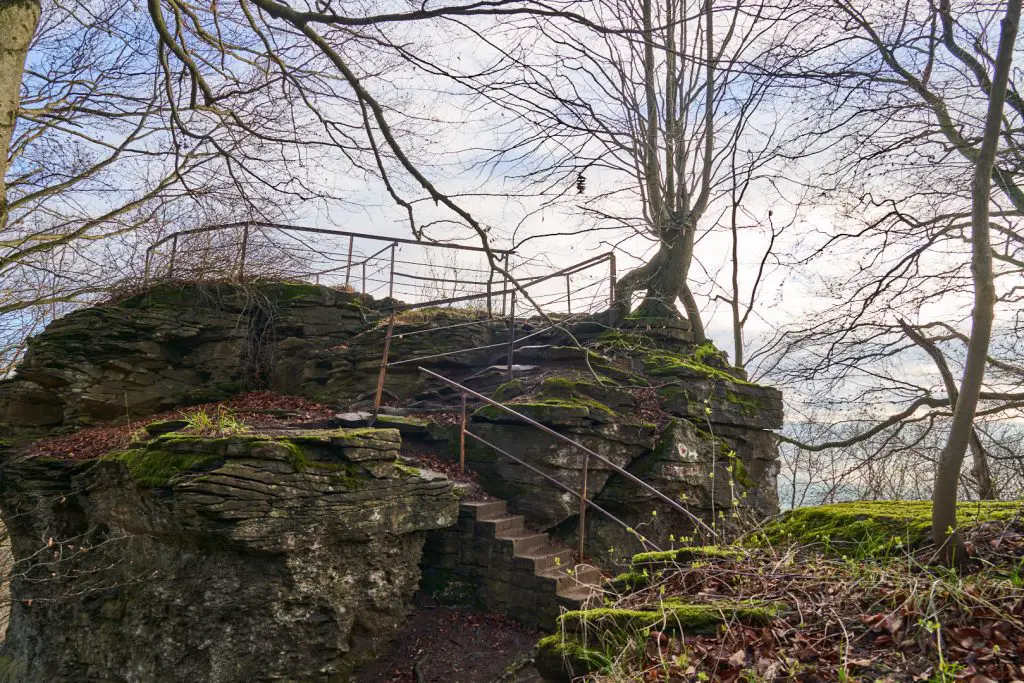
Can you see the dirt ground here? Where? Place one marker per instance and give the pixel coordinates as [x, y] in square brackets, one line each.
[455, 645]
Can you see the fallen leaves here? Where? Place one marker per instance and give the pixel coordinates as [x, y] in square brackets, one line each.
[851, 622]
[261, 409]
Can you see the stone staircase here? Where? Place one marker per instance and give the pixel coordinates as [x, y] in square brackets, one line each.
[492, 560]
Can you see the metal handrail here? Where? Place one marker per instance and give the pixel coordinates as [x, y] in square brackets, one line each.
[643, 539]
[466, 391]
[318, 231]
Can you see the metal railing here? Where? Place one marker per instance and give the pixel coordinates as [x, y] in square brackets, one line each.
[234, 251]
[510, 320]
[582, 493]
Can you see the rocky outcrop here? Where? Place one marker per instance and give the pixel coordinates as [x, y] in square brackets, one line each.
[253, 557]
[181, 345]
[174, 346]
[643, 397]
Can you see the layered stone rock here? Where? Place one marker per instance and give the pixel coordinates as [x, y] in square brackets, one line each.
[243, 558]
[176, 345]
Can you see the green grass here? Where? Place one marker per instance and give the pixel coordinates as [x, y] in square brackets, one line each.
[219, 423]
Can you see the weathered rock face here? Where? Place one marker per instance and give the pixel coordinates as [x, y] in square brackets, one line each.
[244, 558]
[172, 347]
[676, 415]
[177, 346]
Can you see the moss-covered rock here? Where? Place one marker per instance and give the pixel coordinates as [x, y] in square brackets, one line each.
[671, 615]
[665, 558]
[563, 658]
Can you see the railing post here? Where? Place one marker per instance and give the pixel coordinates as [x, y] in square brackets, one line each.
[462, 437]
[504, 284]
[383, 368]
[174, 253]
[511, 333]
[611, 280]
[363, 290]
[568, 294]
[490, 278]
[348, 267]
[241, 255]
[391, 279]
[583, 504]
[145, 270]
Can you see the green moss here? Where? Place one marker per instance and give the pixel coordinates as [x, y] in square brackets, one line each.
[628, 582]
[581, 659]
[868, 529]
[407, 470]
[348, 474]
[705, 351]
[509, 390]
[625, 340]
[152, 467]
[10, 669]
[673, 615]
[559, 384]
[748, 405]
[686, 554]
[666, 363]
[546, 408]
[739, 471]
[398, 421]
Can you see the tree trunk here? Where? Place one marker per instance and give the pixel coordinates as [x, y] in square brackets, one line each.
[18, 21]
[979, 470]
[947, 474]
[664, 277]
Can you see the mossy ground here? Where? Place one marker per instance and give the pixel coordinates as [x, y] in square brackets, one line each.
[699, 613]
[869, 529]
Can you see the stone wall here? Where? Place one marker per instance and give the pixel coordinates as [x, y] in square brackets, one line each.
[243, 558]
[464, 566]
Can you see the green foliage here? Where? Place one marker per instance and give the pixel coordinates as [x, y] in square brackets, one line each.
[220, 423]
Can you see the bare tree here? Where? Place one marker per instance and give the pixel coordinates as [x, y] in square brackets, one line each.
[900, 105]
[962, 430]
[641, 118]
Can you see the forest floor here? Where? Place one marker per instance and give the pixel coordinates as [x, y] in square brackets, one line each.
[455, 645]
[855, 617]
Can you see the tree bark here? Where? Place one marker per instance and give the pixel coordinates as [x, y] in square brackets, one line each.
[18, 21]
[947, 475]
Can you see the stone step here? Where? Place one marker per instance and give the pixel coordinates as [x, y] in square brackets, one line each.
[502, 527]
[568, 577]
[484, 510]
[524, 542]
[580, 597]
[543, 559]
